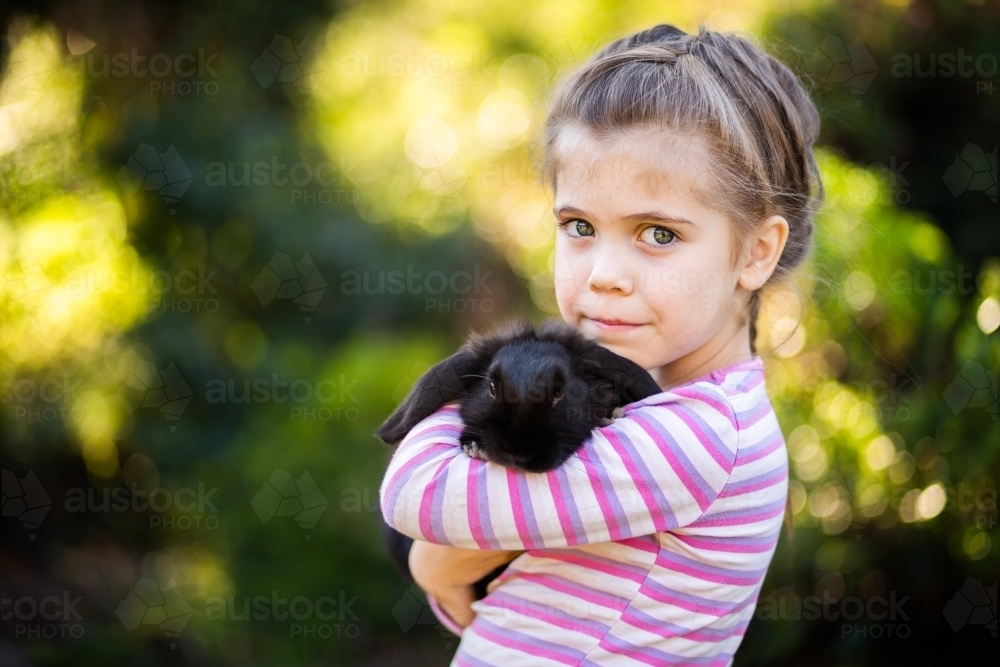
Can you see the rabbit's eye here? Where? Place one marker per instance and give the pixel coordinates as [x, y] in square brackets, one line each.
[557, 395]
[493, 389]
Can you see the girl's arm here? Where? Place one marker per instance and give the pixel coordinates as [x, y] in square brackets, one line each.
[657, 468]
[446, 574]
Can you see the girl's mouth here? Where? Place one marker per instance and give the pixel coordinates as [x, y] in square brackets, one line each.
[614, 325]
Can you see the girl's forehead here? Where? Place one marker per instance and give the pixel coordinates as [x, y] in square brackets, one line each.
[656, 160]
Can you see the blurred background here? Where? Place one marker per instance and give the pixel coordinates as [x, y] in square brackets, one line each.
[233, 234]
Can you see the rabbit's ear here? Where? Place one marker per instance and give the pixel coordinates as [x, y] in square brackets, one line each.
[631, 381]
[446, 381]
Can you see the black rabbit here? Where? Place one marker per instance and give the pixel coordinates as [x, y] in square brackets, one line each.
[529, 399]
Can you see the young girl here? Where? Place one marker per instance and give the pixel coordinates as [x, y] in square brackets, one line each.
[684, 183]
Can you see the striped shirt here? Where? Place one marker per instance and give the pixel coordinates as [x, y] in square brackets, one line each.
[647, 547]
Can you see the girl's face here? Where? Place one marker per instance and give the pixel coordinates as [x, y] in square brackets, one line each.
[640, 264]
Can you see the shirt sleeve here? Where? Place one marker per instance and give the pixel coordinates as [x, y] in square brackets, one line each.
[659, 467]
[443, 616]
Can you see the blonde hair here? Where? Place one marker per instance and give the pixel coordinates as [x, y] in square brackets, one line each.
[757, 119]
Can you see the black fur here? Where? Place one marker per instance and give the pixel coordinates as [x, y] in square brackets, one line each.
[529, 399]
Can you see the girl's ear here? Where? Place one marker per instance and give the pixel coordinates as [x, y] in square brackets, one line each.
[766, 246]
[631, 381]
[446, 381]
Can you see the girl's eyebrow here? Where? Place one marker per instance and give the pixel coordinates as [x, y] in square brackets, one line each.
[632, 217]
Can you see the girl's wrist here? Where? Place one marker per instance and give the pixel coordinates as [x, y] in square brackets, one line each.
[443, 616]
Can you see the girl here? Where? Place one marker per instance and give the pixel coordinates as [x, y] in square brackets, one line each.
[684, 183]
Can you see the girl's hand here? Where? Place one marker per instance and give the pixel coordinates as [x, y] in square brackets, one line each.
[447, 574]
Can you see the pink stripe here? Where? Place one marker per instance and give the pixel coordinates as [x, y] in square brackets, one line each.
[763, 410]
[709, 576]
[661, 631]
[609, 516]
[678, 467]
[761, 453]
[707, 441]
[517, 508]
[553, 619]
[415, 462]
[764, 483]
[697, 605]
[561, 511]
[646, 543]
[426, 502]
[530, 649]
[634, 474]
[579, 591]
[593, 565]
[472, 503]
[721, 408]
[758, 379]
[735, 546]
[749, 517]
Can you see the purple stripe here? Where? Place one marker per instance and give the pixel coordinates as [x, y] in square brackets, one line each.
[579, 532]
[771, 442]
[724, 456]
[662, 505]
[404, 474]
[750, 417]
[483, 504]
[667, 629]
[652, 656]
[756, 483]
[723, 575]
[462, 659]
[560, 618]
[741, 516]
[702, 486]
[723, 409]
[753, 378]
[577, 590]
[719, 608]
[737, 544]
[524, 642]
[627, 571]
[529, 513]
[437, 504]
[618, 527]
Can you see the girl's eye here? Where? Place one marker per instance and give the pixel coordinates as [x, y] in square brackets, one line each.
[581, 227]
[661, 236]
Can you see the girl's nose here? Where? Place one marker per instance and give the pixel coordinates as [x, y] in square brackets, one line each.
[610, 272]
